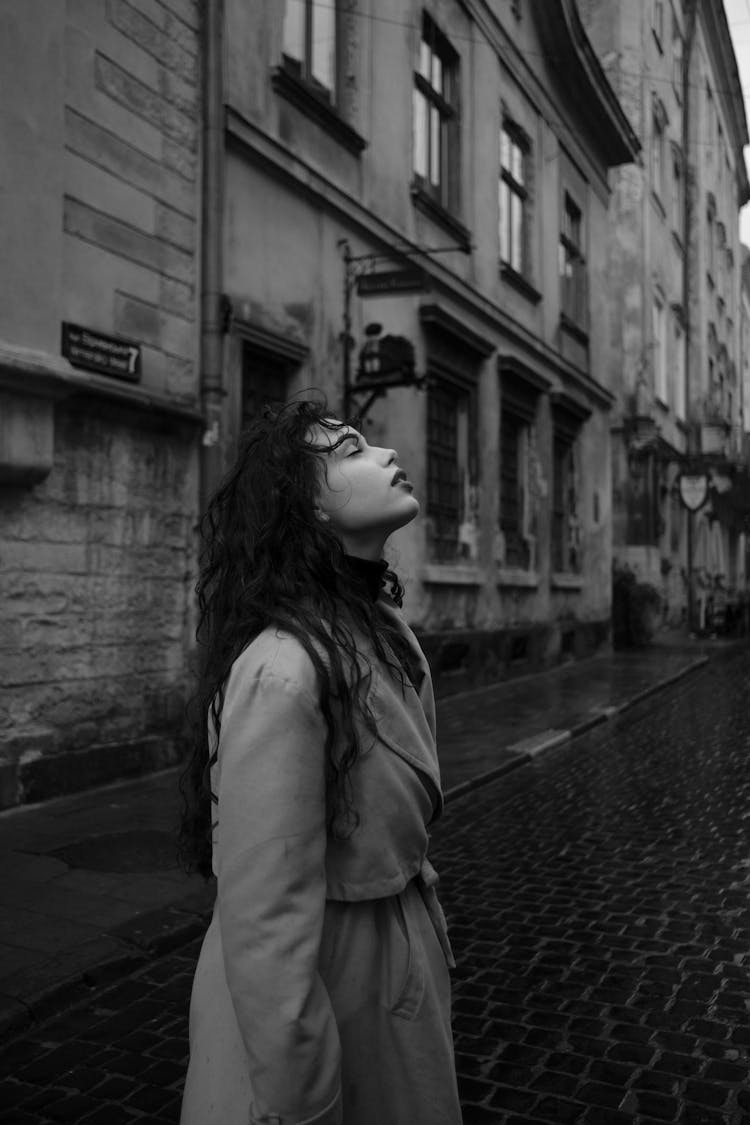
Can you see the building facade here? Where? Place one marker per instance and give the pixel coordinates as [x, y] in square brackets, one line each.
[675, 267]
[230, 200]
[99, 411]
[471, 144]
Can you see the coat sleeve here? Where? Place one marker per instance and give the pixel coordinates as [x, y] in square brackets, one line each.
[270, 861]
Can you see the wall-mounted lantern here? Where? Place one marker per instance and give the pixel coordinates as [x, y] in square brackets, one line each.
[384, 361]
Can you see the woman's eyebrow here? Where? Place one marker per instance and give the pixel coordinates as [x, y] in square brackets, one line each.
[347, 437]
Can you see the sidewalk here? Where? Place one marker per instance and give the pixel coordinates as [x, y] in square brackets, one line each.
[90, 889]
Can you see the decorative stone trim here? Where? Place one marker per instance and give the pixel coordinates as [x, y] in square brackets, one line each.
[43, 375]
[518, 282]
[560, 580]
[424, 202]
[514, 576]
[300, 95]
[574, 329]
[452, 574]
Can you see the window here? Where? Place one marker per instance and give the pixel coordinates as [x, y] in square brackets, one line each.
[677, 56]
[658, 138]
[572, 264]
[657, 23]
[447, 467]
[710, 242]
[435, 116]
[566, 546]
[513, 199]
[710, 123]
[515, 509]
[679, 372]
[264, 380]
[677, 191]
[659, 350]
[309, 44]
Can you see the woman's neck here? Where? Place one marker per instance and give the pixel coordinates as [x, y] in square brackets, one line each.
[370, 573]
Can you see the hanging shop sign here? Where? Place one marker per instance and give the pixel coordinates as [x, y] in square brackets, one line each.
[390, 281]
[109, 355]
[693, 490]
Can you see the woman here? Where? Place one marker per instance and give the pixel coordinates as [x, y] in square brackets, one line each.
[321, 993]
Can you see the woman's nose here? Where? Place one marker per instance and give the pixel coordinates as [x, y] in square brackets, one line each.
[392, 456]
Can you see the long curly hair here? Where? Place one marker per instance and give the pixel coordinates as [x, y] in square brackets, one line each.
[266, 560]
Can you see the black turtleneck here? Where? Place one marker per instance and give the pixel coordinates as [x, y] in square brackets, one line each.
[370, 572]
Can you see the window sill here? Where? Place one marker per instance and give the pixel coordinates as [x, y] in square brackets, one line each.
[515, 576]
[424, 202]
[678, 243]
[656, 200]
[452, 574]
[519, 282]
[303, 98]
[574, 329]
[562, 580]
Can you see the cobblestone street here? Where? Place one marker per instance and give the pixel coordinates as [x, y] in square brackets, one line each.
[598, 899]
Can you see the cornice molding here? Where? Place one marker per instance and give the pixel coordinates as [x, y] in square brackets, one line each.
[571, 55]
[35, 374]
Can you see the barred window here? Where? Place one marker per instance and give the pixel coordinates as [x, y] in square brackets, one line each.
[566, 556]
[514, 438]
[447, 421]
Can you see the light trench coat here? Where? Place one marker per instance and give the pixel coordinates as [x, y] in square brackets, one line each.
[322, 992]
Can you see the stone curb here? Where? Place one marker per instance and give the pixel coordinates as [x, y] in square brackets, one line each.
[157, 932]
[530, 748]
[154, 934]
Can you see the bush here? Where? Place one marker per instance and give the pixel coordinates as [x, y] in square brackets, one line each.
[636, 609]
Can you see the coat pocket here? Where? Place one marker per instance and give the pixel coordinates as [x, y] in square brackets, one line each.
[406, 969]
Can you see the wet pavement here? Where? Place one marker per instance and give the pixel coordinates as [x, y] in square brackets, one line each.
[598, 899]
[90, 887]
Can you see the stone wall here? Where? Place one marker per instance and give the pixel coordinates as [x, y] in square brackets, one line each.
[96, 521]
[95, 569]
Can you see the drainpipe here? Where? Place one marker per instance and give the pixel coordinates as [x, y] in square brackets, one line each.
[212, 234]
[691, 14]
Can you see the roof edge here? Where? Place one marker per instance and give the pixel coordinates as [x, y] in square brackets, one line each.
[568, 49]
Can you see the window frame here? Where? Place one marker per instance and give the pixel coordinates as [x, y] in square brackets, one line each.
[516, 190]
[678, 54]
[657, 23]
[572, 256]
[659, 344]
[445, 517]
[444, 103]
[561, 508]
[303, 69]
[657, 161]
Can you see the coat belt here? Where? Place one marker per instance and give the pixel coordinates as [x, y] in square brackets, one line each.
[427, 881]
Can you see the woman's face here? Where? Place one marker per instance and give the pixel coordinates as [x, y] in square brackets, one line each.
[364, 495]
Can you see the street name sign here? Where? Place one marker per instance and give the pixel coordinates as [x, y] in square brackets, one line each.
[94, 351]
[390, 281]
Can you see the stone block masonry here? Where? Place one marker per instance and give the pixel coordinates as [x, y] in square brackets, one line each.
[96, 575]
[133, 118]
[97, 552]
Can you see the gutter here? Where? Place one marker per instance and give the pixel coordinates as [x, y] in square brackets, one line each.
[212, 389]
